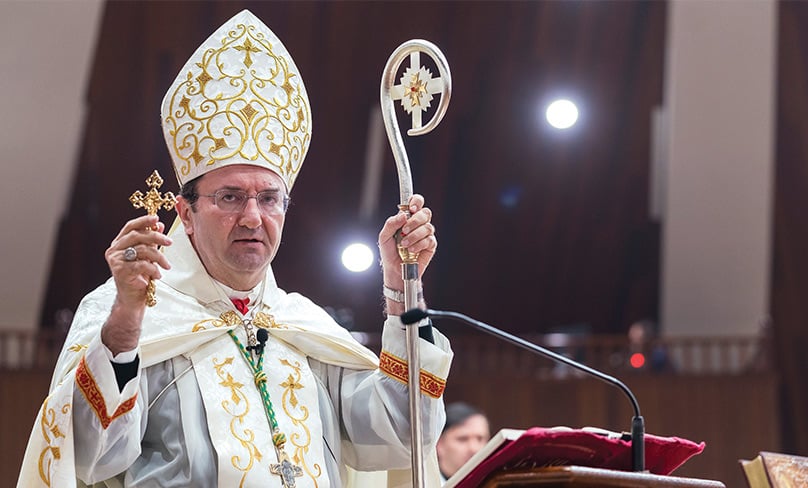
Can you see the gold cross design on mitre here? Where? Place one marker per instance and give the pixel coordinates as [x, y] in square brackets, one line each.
[152, 201]
[248, 48]
[417, 87]
[286, 470]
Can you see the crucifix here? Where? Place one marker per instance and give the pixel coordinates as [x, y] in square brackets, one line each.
[152, 201]
[287, 470]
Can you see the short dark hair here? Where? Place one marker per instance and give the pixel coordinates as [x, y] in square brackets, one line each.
[188, 191]
[459, 412]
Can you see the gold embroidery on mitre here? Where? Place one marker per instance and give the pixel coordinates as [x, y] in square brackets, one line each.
[298, 414]
[238, 100]
[397, 368]
[237, 406]
[51, 433]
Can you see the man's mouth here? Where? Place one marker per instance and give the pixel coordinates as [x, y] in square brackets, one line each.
[249, 241]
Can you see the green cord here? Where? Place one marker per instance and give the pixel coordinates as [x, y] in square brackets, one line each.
[278, 437]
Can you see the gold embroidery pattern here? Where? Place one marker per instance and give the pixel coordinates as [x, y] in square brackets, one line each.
[89, 388]
[51, 432]
[240, 101]
[298, 414]
[397, 369]
[267, 321]
[227, 319]
[237, 406]
[231, 318]
[77, 347]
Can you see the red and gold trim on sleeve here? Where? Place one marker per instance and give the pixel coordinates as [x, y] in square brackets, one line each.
[89, 388]
[397, 369]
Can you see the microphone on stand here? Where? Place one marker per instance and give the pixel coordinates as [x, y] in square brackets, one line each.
[637, 422]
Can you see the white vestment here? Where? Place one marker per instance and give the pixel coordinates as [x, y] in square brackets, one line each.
[192, 416]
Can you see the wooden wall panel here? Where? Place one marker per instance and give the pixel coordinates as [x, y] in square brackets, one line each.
[21, 394]
[717, 410]
[790, 268]
[525, 215]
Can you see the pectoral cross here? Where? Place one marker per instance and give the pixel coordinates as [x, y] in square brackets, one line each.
[286, 470]
[152, 201]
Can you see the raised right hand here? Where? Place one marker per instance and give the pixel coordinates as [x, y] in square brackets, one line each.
[121, 331]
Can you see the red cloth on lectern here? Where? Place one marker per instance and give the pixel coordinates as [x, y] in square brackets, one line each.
[545, 447]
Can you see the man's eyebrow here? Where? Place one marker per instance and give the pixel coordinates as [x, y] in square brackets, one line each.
[273, 189]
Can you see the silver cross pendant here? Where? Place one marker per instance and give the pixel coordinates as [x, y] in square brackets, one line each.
[286, 470]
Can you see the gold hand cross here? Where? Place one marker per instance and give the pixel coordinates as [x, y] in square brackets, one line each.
[152, 201]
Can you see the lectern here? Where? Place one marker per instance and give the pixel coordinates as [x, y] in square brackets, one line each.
[584, 477]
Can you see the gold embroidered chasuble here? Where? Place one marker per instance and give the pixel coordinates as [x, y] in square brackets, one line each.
[238, 423]
[187, 322]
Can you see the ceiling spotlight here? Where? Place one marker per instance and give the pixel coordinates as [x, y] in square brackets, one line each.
[357, 257]
[562, 114]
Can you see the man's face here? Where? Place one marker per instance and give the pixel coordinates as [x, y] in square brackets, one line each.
[235, 247]
[458, 443]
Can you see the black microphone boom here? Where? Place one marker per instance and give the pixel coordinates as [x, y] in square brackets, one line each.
[637, 423]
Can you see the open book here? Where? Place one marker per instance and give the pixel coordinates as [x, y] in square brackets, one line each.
[562, 446]
[775, 470]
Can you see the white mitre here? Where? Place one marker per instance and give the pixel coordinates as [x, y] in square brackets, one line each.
[239, 99]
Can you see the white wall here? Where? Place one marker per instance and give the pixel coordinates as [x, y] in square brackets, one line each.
[719, 97]
[46, 48]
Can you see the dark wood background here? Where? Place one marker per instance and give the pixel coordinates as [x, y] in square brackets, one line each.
[539, 230]
[574, 246]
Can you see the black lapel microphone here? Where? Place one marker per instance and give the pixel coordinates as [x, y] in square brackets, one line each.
[262, 335]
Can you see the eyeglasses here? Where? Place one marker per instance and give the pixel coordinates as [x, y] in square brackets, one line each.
[270, 202]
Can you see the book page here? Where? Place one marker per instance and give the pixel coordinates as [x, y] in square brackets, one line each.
[500, 439]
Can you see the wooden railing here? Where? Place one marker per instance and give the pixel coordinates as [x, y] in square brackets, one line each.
[29, 350]
[477, 353]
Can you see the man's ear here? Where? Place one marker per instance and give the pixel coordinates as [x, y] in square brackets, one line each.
[184, 212]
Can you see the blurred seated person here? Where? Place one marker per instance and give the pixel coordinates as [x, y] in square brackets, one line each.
[466, 432]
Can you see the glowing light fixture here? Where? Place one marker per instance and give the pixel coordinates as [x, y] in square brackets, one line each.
[357, 257]
[637, 360]
[562, 114]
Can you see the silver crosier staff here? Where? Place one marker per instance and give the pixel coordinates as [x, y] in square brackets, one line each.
[415, 90]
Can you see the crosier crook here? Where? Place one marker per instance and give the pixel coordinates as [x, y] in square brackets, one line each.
[415, 92]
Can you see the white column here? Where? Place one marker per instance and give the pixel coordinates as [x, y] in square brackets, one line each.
[717, 220]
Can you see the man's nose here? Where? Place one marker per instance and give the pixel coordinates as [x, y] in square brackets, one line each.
[251, 216]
